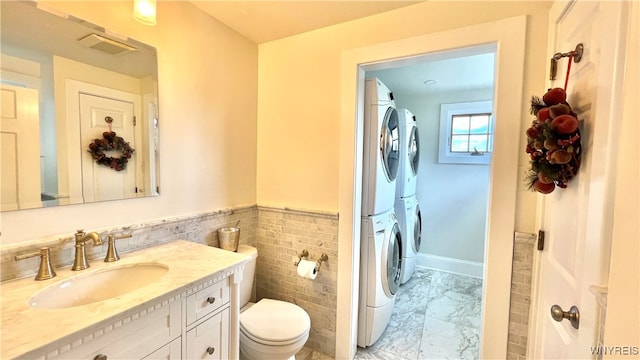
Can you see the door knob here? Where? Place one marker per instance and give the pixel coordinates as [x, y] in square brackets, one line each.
[573, 315]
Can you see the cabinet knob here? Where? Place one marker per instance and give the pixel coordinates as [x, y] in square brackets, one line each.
[100, 357]
[211, 300]
[210, 350]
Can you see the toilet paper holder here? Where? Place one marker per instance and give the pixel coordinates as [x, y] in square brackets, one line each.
[305, 254]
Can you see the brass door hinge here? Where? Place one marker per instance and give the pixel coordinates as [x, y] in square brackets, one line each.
[540, 240]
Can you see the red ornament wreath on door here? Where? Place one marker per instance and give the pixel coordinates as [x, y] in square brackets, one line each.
[553, 140]
[111, 142]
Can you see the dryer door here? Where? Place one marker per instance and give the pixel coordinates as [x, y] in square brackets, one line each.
[390, 143]
[417, 229]
[414, 150]
[392, 261]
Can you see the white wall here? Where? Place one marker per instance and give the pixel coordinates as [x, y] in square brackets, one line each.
[622, 326]
[208, 110]
[452, 197]
[299, 103]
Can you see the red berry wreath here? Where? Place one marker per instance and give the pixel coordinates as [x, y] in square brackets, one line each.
[111, 142]
[553, 142]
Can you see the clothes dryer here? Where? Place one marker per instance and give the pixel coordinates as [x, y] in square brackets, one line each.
[409, 154]
[381, 149]
[410, 223]
[380, 264]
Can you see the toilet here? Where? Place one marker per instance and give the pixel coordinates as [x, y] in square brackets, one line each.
[269, 329]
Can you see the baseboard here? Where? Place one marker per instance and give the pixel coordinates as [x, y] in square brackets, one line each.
[456, 266]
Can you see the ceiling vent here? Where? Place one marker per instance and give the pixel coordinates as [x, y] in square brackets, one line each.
[104, 44]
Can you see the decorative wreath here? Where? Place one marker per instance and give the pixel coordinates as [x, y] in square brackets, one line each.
[111, 142]
[553, 142]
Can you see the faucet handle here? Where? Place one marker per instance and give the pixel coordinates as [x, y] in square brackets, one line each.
[45, 270]
[112, 253]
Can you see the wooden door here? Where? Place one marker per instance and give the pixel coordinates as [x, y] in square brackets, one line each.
[20, 140]
[576, 220]
[100, 182]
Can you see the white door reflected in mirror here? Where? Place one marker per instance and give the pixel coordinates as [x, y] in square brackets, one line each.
[49, 65]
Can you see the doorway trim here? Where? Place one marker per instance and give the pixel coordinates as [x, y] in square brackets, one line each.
[507, 36]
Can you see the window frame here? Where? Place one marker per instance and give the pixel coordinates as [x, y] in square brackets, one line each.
[447, 111]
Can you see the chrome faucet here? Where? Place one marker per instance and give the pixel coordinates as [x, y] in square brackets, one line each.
[80, 261]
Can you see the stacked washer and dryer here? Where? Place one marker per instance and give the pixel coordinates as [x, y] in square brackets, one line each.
[406, 204]
[381, 240]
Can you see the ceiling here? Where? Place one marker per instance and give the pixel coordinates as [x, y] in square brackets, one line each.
[62, 35]
[459, 70]
[261, 21]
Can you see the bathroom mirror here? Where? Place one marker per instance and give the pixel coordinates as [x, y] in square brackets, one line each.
[66, 84]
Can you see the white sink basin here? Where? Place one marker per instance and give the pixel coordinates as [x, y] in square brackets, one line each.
[97, 286]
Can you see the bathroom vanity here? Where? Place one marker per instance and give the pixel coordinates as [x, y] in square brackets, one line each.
[183, 304]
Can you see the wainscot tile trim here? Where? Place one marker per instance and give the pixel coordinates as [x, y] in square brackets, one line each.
[282, 234]
[198, 228]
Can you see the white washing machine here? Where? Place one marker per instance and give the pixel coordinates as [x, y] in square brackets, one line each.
[410, 222]
[380, 264]
[406, 204]
[409, 154]
[381, 149]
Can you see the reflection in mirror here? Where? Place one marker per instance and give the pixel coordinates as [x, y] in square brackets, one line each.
[66, 84]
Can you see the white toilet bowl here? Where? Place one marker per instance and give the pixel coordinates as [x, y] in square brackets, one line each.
[269, 329]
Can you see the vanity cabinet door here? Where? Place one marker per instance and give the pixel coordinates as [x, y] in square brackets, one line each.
[210, 338]
[134, 337]
[207, 300]
[171, 351]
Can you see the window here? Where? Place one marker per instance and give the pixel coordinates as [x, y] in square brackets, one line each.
[466, 133]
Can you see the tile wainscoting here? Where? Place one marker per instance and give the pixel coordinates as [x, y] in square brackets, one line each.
[281, 235]
[199, 228]
[521, 277]
[278, 233]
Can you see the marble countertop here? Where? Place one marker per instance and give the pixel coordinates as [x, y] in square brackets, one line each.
[25, 328]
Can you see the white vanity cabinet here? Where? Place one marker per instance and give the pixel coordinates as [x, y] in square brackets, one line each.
[172, 350]
[210, 338]
[207, 320]
[191, 312]
[191, 325]
[134, 336]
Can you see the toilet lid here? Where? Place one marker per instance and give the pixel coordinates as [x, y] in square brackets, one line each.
[274, 321]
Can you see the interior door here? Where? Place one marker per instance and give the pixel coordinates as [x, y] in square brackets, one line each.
[19, 126]
[101, 182]
[576, 220]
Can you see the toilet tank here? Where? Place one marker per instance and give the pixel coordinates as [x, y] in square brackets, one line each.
[246, 285]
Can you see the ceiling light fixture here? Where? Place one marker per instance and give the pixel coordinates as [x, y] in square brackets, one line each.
[144, 11]
[430, 82]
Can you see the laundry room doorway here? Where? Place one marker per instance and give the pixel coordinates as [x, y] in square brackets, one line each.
[497, 254]
[437, 308]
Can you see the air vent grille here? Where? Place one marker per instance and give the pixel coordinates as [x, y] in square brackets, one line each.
[106, 45]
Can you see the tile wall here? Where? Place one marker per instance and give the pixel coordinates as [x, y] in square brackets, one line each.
[521, 276]
[281, 235]
[199, 228]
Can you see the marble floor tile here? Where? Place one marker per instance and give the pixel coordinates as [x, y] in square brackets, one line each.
[436, 316]
[377, 354]
[446, 340]
[308, 354]
[454, 307]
